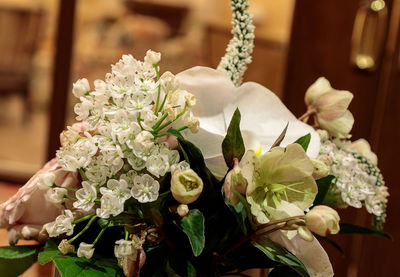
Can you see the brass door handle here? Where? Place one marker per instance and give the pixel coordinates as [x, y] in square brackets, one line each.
[369, 33]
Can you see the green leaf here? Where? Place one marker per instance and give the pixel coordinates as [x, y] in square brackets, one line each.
[50, 251]
[279, 254]
[233, 145]
[323, 187]
[193, 227]
[241, 211]
[304, 141]
[14, 260]
[82, 267]
[281, 137]
[174, 132]
[347, 228]
[332, 242]
[71, 265]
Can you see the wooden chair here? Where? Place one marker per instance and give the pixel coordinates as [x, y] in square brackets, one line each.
[19, 28]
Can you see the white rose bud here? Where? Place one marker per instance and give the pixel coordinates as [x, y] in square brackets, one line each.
[322, 220]
[186, 186]
[321, 170]
[65, 247]
[80, 87]
[182, 210]
[234, 181]
[152, 57]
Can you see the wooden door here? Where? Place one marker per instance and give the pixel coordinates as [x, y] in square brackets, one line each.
[321, 45]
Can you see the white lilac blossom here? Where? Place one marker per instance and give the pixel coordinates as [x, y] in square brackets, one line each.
[123, 248]
[117, 188]
[85, 250]
[86, 197]
[56, 195]
[238, 52]
[358, 180]
[109, 205]
[46, 180]
[145, 188]
[62, 225]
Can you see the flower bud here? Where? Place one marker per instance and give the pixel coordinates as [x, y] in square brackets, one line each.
[85, 250]
[234, 180]
[305, 234]
[65, 247]
[320, 86]
[340, 127]
[193, 123]
[362, 147]
[321, 170]
[182, 210]
[190, 99]
[333, 104]
[46, 180]
[322, 220]
[152, 57]
[323, 135]
[186, 186]
[80, 87]
[326, 159]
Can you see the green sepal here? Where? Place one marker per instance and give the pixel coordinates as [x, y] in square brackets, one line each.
[233, 145]
[323, 188]
[304, 141]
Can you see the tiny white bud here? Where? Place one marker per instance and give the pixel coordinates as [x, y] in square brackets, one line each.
[80, 87]
[182, 210]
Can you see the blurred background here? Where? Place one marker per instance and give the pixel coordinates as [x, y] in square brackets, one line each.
[45, 45]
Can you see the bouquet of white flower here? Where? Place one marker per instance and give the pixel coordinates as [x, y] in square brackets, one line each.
[194, 175]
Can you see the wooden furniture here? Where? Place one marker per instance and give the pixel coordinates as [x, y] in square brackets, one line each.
[323, 44]
[19, 29]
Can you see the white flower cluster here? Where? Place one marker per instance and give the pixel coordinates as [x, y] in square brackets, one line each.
[116, 147]
[239, 49]
[355, 180]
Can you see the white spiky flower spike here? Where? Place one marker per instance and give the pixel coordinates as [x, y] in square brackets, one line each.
[240, 47]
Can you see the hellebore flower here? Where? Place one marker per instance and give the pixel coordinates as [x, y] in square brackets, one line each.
[330, 108]
[279, 176]
[263, 115]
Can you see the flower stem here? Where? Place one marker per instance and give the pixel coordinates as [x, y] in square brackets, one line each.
[310, 111]
[83, 218]
[160, 121]
[159, 89]
[82, 172]
[70, 198]
[263, 226]
[99, 235]
[83, 230]
[70, 189]
[126, 235]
